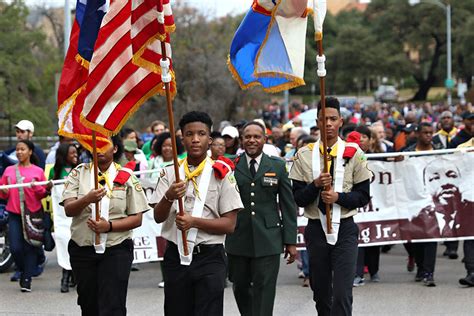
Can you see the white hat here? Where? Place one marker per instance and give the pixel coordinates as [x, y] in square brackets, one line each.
[25, 125]
[230, 131]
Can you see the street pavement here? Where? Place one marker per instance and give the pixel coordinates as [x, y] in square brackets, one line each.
[396, 294]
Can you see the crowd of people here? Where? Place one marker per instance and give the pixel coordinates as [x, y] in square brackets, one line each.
[233, 178]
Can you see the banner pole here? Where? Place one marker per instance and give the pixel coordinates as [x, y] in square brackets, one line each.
[169, 106]
[96, 182]
[321, 59]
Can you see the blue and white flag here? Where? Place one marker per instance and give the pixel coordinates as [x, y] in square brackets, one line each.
[268, 48]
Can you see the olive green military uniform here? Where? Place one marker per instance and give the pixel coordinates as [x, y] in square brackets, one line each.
[102, 279]
[267, 223]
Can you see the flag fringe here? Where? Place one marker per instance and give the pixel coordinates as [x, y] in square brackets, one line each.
[81, 60]
[296, 82]
[81, 138]
[72, 99]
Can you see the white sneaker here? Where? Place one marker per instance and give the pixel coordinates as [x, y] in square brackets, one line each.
[161, 284]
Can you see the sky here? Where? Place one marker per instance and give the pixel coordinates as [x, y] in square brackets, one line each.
[212, 7]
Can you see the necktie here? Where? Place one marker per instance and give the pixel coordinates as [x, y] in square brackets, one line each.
[253, 171]
[447, 231]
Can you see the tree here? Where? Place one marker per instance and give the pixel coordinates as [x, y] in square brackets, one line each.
[420, 32]
[27, 69]
[355, 55]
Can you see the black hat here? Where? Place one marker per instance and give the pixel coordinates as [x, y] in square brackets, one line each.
[467, 115]
[410, 128]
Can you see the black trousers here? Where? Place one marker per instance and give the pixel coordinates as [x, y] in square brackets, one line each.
[369, 256]
[469, 255]
[254, 283]
[425, 255]
[452, 245]
[197, 289]
[102, 279]
[332, 267]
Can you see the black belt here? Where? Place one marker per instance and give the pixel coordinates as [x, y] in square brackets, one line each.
[318, 221]
[201, 248]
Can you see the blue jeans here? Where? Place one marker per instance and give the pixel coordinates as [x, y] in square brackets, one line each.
[24, 254]
[304, 262]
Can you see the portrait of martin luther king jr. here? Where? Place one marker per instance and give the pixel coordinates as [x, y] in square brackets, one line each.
[449, 215]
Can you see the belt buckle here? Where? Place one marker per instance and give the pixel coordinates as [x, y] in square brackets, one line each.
[197, 249]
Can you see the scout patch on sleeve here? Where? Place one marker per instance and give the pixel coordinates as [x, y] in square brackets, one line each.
[74, 173]
[231, 179]
[138, 187]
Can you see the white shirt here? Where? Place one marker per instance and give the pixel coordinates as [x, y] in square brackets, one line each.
[442, 222]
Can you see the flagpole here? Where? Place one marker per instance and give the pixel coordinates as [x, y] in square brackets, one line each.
[96, 182]
[322, 74]
[166, 79]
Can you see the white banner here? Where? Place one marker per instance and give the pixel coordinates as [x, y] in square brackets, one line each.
[62, 227]
[418, 199]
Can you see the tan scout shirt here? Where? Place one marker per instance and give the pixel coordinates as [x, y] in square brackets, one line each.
[355, 171]
[222, 197]
[126, 200]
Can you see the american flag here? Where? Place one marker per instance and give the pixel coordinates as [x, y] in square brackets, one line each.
[75, 72]
[124, 70]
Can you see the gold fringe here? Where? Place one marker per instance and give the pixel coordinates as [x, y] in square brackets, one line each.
[318, 36]
[72, 99]
[82, 138]
[295, 81]
[84, 63]
[79, 137]
[285, 86]
[170, 28]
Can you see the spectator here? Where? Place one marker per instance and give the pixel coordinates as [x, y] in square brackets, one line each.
[295, 133]
[379, 129]
[367, 256]
[163, 153]
[26, 171]
[132, 135]
[424, 252]
[217, 145]
[130, 152]
[467, 132]
[51, 157]
[231, 137]
[24, 131]
[66, 160]
[447, 131]
[157, 127]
